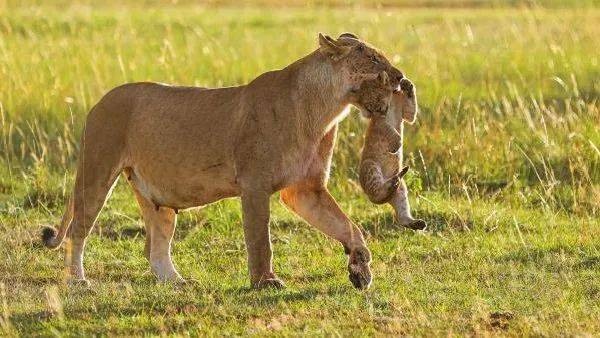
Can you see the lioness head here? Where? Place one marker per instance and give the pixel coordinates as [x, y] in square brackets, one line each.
[356, 60]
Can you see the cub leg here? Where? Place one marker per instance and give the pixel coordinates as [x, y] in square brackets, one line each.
[255, 210]
[399, 202]
[376, 187]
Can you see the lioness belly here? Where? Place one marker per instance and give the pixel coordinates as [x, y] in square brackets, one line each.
[185, 191]
[180, 145]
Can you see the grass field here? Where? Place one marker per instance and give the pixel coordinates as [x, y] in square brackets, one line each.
[505, 158]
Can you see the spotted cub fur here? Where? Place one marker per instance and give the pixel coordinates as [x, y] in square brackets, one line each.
[379, 171]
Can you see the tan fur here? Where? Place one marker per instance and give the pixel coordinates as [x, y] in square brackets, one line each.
[381, 142]
[183, 147]
[406, 101]
[379, 171]
[381, 158]
[374, 95]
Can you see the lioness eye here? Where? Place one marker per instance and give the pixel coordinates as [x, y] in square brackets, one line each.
[374, 60]
[361, 48]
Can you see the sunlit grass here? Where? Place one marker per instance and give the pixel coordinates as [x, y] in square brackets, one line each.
[505, 166]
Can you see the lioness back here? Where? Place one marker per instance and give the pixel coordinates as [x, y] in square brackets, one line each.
[155, 131]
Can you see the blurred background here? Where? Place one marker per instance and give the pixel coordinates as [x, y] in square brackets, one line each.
[508, 89]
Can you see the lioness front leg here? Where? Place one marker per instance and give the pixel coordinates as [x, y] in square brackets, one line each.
[315, 204]
[255, 210]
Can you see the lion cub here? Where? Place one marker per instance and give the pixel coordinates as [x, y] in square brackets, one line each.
[379, 171]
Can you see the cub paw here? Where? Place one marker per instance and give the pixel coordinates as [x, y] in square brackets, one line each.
[417, 224]
[414, 224]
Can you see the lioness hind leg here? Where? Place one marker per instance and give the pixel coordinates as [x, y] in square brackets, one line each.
[160, 227]
[128, 172]
[92, 187]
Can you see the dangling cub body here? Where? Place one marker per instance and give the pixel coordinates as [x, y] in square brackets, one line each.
[379, 172]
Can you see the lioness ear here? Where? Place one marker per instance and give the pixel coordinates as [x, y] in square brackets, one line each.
[348, 35]
[331, 48]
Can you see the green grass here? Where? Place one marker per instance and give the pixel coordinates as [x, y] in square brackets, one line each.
[505, 158]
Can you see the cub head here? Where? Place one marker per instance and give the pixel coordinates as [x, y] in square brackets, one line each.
[374, 95]
[355, 60]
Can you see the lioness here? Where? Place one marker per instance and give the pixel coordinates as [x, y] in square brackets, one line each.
[184, 147]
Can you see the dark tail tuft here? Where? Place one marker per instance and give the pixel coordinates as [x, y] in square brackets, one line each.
[48, 235]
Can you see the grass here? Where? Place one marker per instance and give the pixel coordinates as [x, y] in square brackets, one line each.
[505, 158]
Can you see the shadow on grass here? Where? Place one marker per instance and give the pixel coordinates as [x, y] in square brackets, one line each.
[270, 297]
[115, 229]
[25, 320]
[554, 259]
[589, 263]
[288, 224]
[37, 281]
[267, 297]
[379, 224]
[92, 304]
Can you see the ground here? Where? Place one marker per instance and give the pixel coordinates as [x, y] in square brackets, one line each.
[505, 168]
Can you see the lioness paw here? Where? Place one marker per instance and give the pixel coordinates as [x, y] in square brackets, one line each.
[271, 283]
[78, 282]
[359, 272]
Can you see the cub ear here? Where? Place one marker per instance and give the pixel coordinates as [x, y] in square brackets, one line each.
[406, 107]
[383, 78]
[331, 48]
